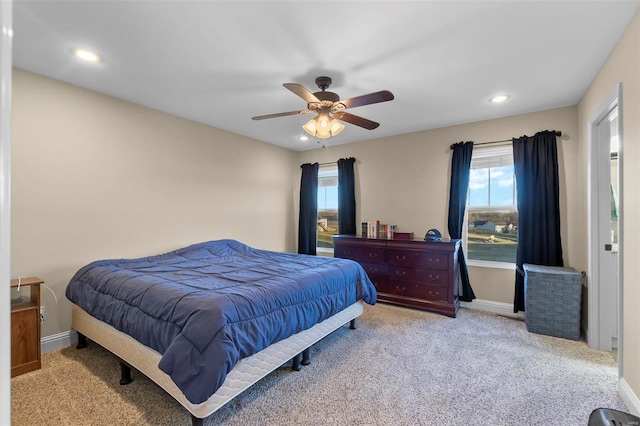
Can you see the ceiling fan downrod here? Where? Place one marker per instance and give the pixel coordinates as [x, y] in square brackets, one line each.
[323, 82]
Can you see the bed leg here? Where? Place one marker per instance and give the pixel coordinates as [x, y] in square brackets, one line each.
[352, 324]
[82, 341]
[196, 421]
[125, 374]
[296, 362]
[306, 356]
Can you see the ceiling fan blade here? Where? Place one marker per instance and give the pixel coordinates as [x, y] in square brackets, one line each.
[281, 114]
[354, 119]
[371, 98]
[301, 91]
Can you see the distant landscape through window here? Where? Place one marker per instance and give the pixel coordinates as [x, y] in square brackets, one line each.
[327, 206]
[492, 216]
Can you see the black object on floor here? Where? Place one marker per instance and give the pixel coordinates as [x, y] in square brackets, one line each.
[610, 417]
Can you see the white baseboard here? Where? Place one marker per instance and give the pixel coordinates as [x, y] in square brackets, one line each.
[500, 308]
[58, 341]
[629, 398]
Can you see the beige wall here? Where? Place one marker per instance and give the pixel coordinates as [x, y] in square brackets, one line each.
[623, 65]
[95, 177]
[405, 180]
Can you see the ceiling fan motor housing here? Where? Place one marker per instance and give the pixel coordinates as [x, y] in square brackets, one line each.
[323, 82]
[327, 96]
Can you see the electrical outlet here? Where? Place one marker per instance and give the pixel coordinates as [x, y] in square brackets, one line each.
[41, 313]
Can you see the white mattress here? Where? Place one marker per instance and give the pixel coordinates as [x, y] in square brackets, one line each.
[247, 372]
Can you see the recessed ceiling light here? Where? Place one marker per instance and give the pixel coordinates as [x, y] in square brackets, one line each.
[87, 55]
[303, 137]
[498, 99]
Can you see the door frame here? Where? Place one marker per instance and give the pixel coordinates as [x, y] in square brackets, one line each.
[6, 46]
[593, 331]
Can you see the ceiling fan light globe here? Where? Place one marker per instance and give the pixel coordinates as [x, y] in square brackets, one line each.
[336, 127]
[323, 121]
[310, 127]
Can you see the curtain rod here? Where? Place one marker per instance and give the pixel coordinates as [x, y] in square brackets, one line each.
[334, 162]
[557, 133]
[321, 164]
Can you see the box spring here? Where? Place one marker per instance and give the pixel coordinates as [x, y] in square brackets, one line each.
[247, 372]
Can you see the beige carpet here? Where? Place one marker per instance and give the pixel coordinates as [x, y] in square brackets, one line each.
[400, 367]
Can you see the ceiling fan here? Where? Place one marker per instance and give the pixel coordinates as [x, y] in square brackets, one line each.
[330, 108]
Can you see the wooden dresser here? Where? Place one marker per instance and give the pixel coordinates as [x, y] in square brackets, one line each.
[413, 273]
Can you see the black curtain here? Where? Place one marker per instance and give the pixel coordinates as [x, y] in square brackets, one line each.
[535, 163]
[346, 197]
[460, 170]
[308, 220]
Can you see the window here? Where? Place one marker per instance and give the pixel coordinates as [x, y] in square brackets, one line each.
[327, 206]
[492, 216]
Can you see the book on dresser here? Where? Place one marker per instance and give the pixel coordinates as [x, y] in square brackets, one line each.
[415, 273]
[375, 229]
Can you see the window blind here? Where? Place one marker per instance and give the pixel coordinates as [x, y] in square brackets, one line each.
[494, 156]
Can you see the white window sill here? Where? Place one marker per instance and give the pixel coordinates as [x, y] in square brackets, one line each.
[494, 265]
[324, 251]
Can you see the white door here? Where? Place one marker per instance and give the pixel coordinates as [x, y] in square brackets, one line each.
[604, 283]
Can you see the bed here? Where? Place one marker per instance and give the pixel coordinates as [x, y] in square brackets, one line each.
[207, 321]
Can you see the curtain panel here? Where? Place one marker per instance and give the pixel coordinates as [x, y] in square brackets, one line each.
[346, 197]
[308, 218]
[460, 172]
[535, 164]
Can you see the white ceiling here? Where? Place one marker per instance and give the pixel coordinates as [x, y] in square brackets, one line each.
[222, 62]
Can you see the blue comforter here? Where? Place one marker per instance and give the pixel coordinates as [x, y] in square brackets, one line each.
[206, 306]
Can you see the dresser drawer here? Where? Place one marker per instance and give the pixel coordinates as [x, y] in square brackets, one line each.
[434, 292]
[361, 254]
[408, 258]
[374, 269]
[380, 283]
[413, 290]
[429, 276]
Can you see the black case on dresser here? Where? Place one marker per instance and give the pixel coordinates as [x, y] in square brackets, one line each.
[415, 273]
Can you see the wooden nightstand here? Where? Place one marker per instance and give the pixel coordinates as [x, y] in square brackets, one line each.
[25, 328]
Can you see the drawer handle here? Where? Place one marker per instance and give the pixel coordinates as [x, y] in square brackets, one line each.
[434, 278]
[432, 260]
[401, 273]
[373, 270]
[400, 289]
[400, 257]
[373, 254]
[431, 293]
